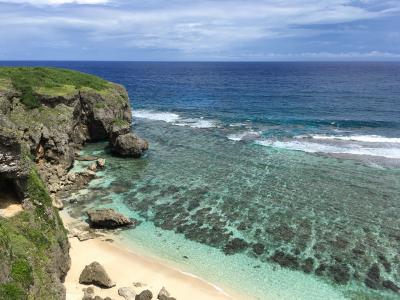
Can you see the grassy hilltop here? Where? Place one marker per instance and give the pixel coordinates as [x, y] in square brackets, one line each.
[30, 81]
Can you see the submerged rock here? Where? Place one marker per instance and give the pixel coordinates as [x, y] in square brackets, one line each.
[308, 265]
[373, 277]
[285, 259]
[258, 248]
[127, 292]
[145, 295]
[97, 275]
[340, 273]
[235, 245]
[107, 218]
[391, 286]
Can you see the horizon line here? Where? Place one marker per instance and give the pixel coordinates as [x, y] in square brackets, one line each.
[205, 61]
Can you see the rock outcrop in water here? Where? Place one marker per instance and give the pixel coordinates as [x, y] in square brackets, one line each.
[125, 143]
[46, 116]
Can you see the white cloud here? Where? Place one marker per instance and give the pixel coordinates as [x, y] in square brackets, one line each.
[56, 2]
[185, 25]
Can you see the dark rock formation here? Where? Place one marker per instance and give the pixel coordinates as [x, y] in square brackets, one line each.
[373, 277]
[129, 145]
[341, 273]
[391, 286]
[124, 143]
[308, 265]
[97, 275]
[107, 218]
[145, 295]
[235, 245]
[258, 248]
[285, 259]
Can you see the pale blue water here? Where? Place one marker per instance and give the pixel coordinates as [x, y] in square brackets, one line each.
[278, 179]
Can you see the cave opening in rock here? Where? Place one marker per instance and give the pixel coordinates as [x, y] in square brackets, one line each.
[9, 193]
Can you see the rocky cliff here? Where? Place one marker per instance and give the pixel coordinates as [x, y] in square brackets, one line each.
[46, 116]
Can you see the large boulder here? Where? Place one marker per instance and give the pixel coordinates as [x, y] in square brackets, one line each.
[129, 145]
[107, 218]
[124, 143]
[145, 295]
[97, 275]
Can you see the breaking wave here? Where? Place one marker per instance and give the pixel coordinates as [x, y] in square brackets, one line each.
[311, 146]
[174, 118]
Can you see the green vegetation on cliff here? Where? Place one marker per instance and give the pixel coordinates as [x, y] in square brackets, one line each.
[45, 115]
[30, 242]
[29, 81]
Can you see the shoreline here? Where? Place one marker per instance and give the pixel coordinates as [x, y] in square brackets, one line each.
[125, 267]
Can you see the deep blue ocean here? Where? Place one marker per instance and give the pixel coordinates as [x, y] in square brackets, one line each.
[282, 179]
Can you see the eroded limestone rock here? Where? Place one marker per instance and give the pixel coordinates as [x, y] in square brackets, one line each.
[96, 274]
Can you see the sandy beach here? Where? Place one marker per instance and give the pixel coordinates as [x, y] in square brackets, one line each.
[126, 268]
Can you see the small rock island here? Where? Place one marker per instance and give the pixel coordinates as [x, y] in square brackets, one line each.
[46, 116]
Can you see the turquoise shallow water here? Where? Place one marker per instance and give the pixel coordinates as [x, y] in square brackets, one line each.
[272, 222]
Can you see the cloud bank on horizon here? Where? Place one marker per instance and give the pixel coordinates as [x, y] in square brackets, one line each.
[200, 30]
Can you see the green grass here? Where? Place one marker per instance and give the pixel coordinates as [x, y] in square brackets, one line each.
[100, 105]
[63, 90]
[11, 291]
[27, 244]
[120, 122]
[52, 81]
[21, 272]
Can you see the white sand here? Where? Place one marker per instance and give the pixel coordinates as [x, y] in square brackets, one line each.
[9, 208]
[125, 268]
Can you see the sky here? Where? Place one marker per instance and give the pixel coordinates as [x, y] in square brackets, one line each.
[194, 30]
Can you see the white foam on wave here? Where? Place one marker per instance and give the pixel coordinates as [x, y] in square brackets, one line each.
[174, 118]
[237, 124]
[356, 138]
[197, 123]
[244, 136]
[156, 115]
[314, 147]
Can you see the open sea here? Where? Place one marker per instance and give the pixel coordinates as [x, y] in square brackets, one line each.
[279, 180]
